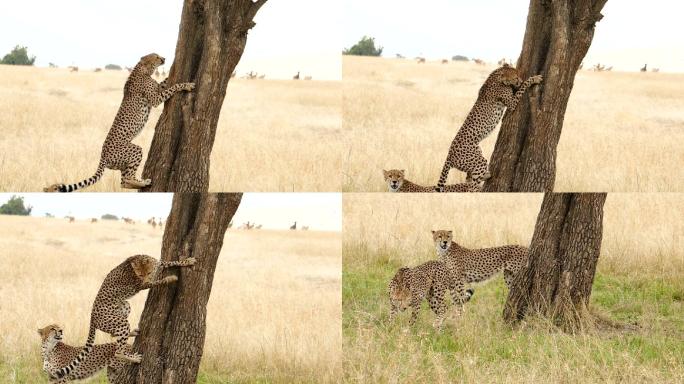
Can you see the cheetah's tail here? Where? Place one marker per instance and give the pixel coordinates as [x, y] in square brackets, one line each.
[85, 183]
[81, 355]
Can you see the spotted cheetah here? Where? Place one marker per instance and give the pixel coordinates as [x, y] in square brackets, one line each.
[396, 182]
[141, 93]
[430, 281]
[110, 308]
[475, 265]
[496, 95]
[56, 355]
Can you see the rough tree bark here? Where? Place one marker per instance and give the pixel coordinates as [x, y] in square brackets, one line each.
[557, 37]
[173, 323]
[211, 39]
[556, 282]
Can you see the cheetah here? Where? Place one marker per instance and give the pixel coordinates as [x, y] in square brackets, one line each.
[476, 265]
[430, 281]
[110, 308]
[396, 182]
[496, 95]
[141, 93]
[56, 355]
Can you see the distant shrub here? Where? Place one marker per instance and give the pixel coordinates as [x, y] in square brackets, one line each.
[109, 216]
[459, 58]
[365, 47]
[113, 67]
[49, 215]
[18, 56]
[15, 206]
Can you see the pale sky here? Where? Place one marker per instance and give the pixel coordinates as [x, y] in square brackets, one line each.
[319, 211]
[290, 35]
[632, 32]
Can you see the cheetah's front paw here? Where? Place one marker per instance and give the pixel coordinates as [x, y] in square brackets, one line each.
[189, 86]
[190, 261]
[537, 79]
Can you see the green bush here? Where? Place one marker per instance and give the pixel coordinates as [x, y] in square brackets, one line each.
[109, 216]
[18, 56]
[15, 206]
[365, 47]
[113, 67]
[459, 58]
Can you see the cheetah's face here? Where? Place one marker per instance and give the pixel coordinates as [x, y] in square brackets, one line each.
[51, 334]
[400, 297]
[394, 179]
[508, 76]
[442, 240]
[145, 267]
[152, 61]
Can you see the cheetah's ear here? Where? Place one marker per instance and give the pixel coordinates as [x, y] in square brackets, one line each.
[402, 171]
[433, 232]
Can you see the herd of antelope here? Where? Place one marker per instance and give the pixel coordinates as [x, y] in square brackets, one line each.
[154, 222]
[248, 225]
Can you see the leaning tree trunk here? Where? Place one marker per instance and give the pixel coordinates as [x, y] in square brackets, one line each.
[211, 39]
[556, 282]
[557, 37]
[173, 323]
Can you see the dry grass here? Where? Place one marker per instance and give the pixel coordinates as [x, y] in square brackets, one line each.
[274, 312]
[622, 131]
[272, 135]
[640, 280]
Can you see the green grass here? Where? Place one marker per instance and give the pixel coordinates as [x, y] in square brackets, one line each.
[28, 370]
[478, 346]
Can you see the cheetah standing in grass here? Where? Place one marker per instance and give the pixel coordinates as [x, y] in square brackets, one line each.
[496, 94]
[57, 355]
[410, 286]
[111, 308]
[141, 93]
[475, 265]
[396, 182]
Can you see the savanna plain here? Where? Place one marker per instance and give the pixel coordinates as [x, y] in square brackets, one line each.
[639, 287]
[264, 322]
[622, 130]
[273, 135]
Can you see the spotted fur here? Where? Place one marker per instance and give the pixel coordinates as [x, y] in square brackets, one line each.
[474, 265]
[497, 94]
[141, 94]
[410, 286]
[396, 182]
[57, 355]
[111, 308]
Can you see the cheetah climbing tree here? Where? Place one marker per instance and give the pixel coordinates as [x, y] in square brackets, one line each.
[557, 37]
[173, 322]
[211, 39]
[556, 282]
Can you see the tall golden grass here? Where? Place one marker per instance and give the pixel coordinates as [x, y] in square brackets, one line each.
[274, 311]
[622, 131]
[273, 135]
[643, 232]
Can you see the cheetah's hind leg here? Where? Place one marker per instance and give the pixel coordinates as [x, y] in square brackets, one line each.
[128, 179]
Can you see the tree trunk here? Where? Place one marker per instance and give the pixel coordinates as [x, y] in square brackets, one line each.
[211, 39]
[556, 281]
[173, 323]
[557, 38]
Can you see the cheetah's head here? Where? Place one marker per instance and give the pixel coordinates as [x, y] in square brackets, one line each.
[507, 76]
[442, 240]
[399, 292]
[394, 179]
[51, 334]
[151, 61]
[144, 266]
